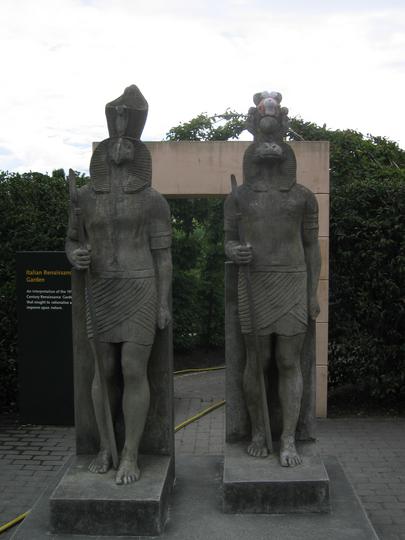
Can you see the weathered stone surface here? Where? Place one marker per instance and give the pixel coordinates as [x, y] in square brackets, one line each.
[237, 418]
[271, 228]
[261, 486]
[158, 436]
[196, 512]
[118, 241]
[92, 504]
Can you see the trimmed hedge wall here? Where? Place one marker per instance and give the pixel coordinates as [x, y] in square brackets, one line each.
[33, 209]
[367, 268]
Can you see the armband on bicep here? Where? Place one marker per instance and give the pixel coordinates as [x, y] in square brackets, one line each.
[72, 233]
[310, 225]
[160, 240]
[230, 221]
[160, 231]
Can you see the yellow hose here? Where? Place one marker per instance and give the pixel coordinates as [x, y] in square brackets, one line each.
[199, 415]
[197, 370]
[13, 522]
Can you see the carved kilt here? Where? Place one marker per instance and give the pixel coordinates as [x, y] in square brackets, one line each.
[126, 310]
[280, 300]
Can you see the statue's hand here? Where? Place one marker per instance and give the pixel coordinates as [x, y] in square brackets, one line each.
[164, 317]
[81, 258]
[241, 254]
[313, 307]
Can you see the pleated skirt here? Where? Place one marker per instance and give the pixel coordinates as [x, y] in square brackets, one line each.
[126, 310]
[280, 303]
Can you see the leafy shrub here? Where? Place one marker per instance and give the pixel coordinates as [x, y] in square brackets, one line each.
[33, 208]
[198, 262]
[353, 156]
[367, 261]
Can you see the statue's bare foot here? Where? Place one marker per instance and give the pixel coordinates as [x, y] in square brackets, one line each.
[289, 456]
[128, 471]
[101, 463]
[258, 448]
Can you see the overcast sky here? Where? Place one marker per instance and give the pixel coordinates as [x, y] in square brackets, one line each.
[336, 62]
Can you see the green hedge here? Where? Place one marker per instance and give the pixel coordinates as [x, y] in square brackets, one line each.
[33, 207]
[367, 300]
[198, 262]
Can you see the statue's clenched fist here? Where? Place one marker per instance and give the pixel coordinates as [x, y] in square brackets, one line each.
[164, 317]
[313, 307]
[240, 254]
[81, 257]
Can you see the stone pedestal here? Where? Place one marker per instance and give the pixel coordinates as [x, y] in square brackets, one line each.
[92, 504]
[262, 486]
[196, 512]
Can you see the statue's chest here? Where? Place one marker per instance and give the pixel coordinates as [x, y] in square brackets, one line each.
[116, 210]
[272, 206]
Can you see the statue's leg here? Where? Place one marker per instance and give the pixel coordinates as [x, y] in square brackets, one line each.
[135, 406]
[103, 460]
[257, 447]
[288, 355]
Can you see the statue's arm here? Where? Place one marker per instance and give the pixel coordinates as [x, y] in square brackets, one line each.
[231, 243]
[164, 270]
[160, 243]
[234, 250]
[77, 254]
[312, 252]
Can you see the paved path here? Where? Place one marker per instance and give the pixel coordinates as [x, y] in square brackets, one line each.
[371, 450]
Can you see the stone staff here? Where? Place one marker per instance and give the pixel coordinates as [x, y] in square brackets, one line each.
[246, 273]
[93, 322]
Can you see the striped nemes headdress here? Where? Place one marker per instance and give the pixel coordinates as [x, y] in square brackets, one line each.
[126, 117]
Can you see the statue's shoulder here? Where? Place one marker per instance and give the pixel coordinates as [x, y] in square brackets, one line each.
[304, 191]
[232, 202]
[241, 191]
[154, 196]
[308, 196]
[155, 200]
[85, 192]
[244, 189]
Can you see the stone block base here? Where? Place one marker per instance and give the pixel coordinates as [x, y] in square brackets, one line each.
[93, 504]
[261, 486]
[196, 512]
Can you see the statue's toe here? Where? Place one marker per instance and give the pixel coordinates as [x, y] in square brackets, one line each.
[101, 463]
[128, 472]
[257, 449]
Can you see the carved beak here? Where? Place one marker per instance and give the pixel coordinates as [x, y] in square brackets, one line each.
[116, 152]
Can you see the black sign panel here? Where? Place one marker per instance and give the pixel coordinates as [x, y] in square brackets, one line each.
[45, 338]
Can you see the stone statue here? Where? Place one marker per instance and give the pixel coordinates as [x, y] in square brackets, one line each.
[120, 235]
[271, 233]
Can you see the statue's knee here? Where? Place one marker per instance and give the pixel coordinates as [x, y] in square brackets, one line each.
[134, 372]
[287, 363]
[108, 373]
[250, 378]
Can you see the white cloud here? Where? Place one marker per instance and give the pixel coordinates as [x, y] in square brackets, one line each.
[65, 59]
